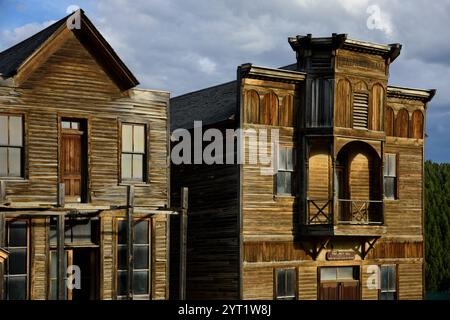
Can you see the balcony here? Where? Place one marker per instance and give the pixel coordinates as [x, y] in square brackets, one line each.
[353, 217]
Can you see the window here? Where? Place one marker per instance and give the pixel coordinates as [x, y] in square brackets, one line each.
[54, 274]
[11, 146]
[285, 175]
[77, 231]
[285, 284]
[133, 152]
[390, 176]
[321, 102]
[141, 255]
[16, 272]
[360, 110]
[388, 289]
[68, 124]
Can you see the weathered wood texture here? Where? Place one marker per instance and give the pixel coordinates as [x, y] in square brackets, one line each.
[410, 281]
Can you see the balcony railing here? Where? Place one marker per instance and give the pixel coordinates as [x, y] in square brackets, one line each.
[349, 211]
[360, 211]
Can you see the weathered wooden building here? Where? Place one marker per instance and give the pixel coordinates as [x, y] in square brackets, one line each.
[344, 205]
[84, 170]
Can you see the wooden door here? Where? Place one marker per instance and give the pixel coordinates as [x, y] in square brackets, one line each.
[349, 290]
[71, 161]
[329, 291]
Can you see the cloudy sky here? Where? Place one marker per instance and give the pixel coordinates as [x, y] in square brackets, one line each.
[184, 45]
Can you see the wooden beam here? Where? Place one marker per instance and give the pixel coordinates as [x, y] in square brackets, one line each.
[2, 191]
[60, 194]
[60, 257]
[2, 244]
[130, 240]
[183, 241]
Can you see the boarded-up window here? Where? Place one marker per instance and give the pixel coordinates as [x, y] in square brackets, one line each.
[376, 107]
[360, 110]
[251, 106]
[286, 116]
[11, 146]
[390, 176]
[321, 102]
[285, 280]
[417, 125]
[269, 110]
[389, 122]
[133, 152]
[343, 107]
[401, 124]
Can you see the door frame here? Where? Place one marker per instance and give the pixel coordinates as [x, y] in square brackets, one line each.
[86, 160]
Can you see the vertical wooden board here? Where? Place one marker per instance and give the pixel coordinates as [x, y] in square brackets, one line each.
[376, 107]
[389, 121]
[107, 256]
[160, 267]
[38, 257]
[410, 285]
[343, 103]
[402, 123]
[251, 106]
[417, 125]
[366, 292]
[307, 283]
[286, 112]
[258, 283]
[269, 109]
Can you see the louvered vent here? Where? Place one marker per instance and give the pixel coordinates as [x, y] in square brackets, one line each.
[319, 63]
[360, 110]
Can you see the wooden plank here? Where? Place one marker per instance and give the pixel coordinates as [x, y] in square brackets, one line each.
[183, 241]
[130, 241]
[60, 256]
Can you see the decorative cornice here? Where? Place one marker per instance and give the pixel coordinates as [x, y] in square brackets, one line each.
[254, 72]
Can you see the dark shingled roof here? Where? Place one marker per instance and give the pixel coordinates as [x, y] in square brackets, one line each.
[12, 58]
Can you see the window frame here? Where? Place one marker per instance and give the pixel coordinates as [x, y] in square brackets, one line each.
[395, 178]
[145, 154]
[28, 253]
[295, 284]
[395, 290]
[23, 151]
[150, 224]
[69, 261]
[285, 170]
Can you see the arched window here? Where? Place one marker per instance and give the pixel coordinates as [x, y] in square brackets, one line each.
[251, 106]
[402, 124]
[389, 122]
[269, 110]
[286, 115]
[417, 125]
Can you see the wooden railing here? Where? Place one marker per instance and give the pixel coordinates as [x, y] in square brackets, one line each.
[320, 211]
[359, 211]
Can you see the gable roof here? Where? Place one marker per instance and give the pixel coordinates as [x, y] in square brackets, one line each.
[13, 58]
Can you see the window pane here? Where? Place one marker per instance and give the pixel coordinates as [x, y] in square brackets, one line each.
[327, 274]
[79, 231]
[122, 231]
[75, 125]
[14, 162]
[392, 165]
[288, 177]
[17, 261]
[65, 124]
[281, 182]
[139, 139]
[387, 296]
[290, 290]
[141, 260]
[4, 130]
[15, 131]
[384, 278]
[386, 165]
[53, 288]
[17, 288]
[289, 159]
[126, 166]
[4, 162]
[122, 283]
[53, 270]
[127, 138]
[141, 232]
[281, 283]
[345, 273]
[138, 161]
[389, 188]
[17, 234]
[140, 282]
[122, 258]
[391, 283]
[282, 159]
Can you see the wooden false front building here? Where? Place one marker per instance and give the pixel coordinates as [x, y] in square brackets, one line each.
[84, 171]
[344, 205]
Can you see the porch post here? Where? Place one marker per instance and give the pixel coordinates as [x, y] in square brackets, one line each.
[334, 203]
[183, 242]
[130, 240]
[2, 244]
[60, 257]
